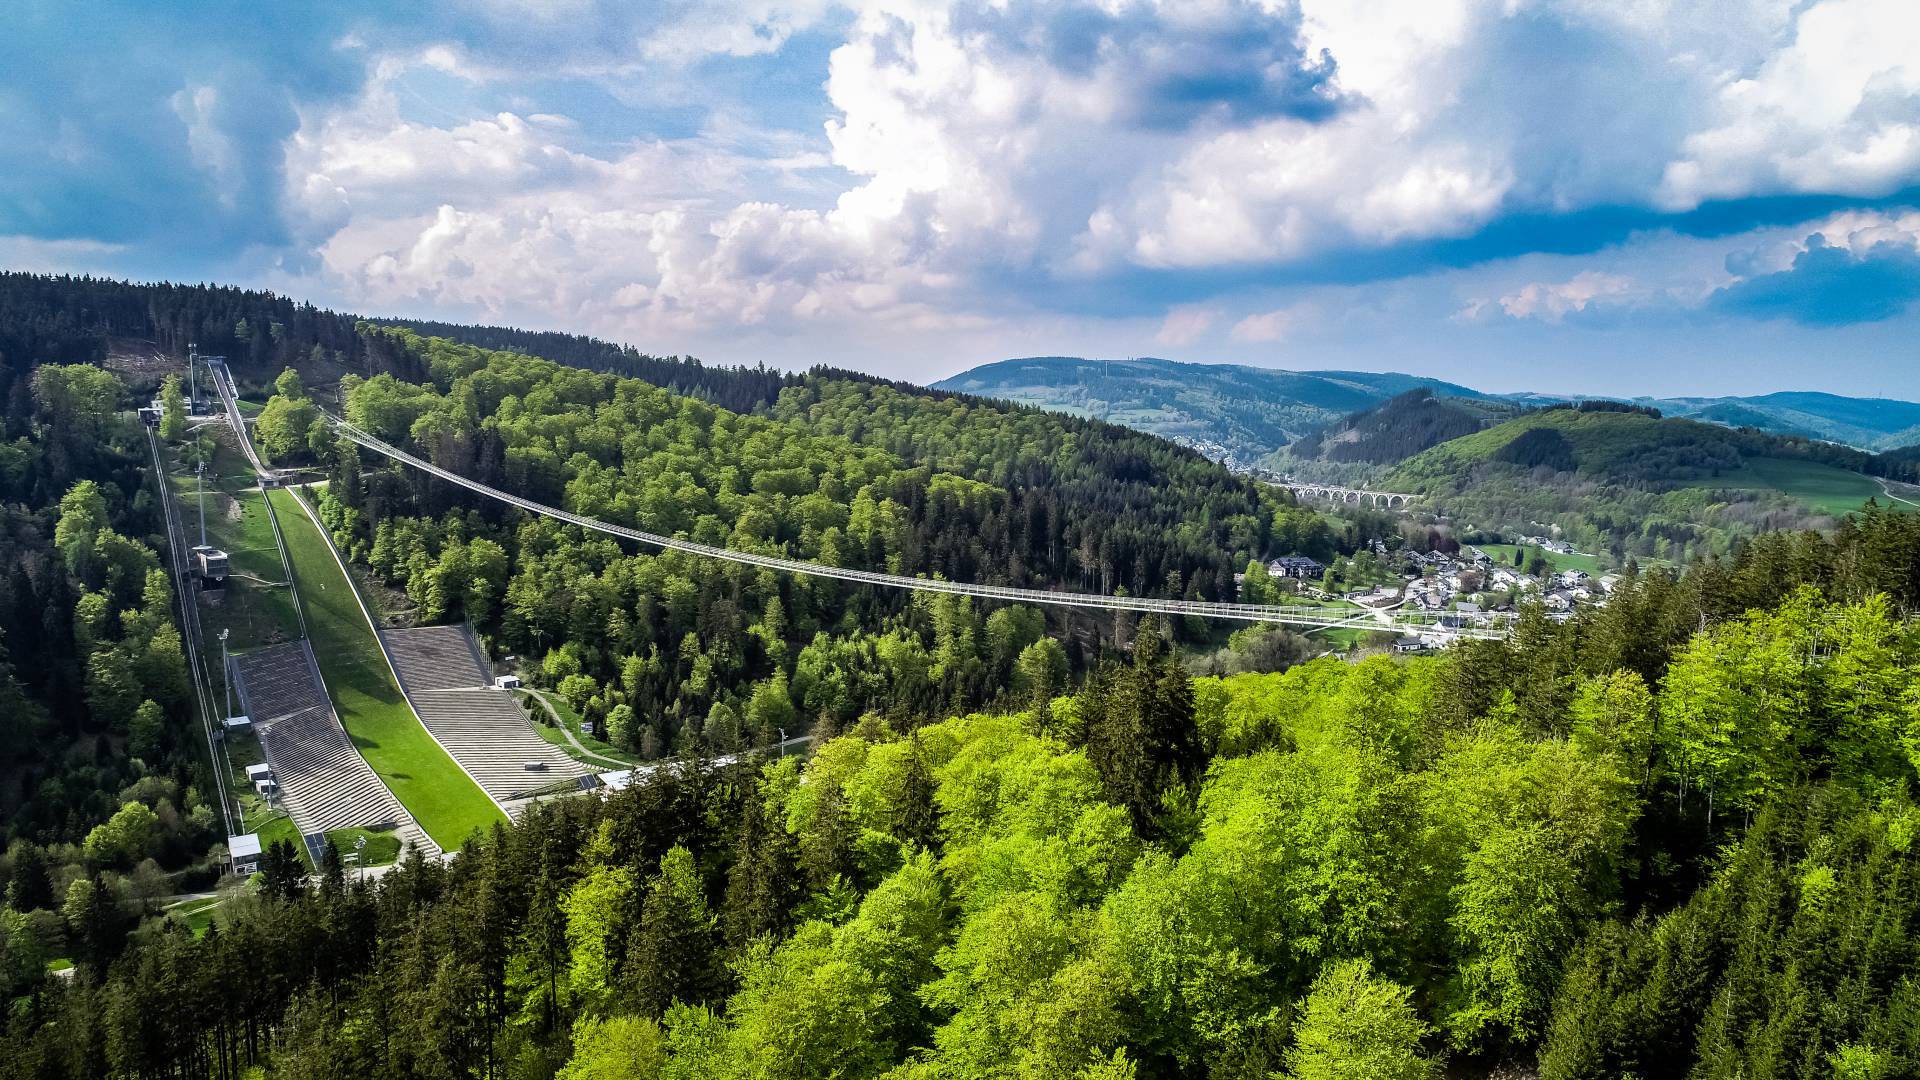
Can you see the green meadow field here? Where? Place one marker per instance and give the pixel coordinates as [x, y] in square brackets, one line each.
[440, 795]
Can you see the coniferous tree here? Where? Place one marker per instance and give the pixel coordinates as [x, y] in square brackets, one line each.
[31, 885]
[917, 820]
[671, 954]
[333, 874]
[1139, 728]
[826, 849]
[543, 941]
[282, 875]
[765, 882]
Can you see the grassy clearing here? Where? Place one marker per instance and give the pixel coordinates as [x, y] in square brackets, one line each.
[572, 720]
[1503, 556]
[442, 798]
[280, 827]
[1339, 639]
[196, 915]
[382, 847]
[1821, 487]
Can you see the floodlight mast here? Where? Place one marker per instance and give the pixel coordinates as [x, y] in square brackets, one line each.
[226, 671]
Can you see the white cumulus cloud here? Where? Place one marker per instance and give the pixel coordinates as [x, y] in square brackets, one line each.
[1553, 301]
[972, 162]
[1186, 324]
[1835, 110]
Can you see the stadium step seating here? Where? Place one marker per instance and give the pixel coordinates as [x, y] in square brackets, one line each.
[324, 782]
[449, 683]
[437, 658]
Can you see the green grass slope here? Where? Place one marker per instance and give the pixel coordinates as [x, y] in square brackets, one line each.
[440, 795]
[1503, 554]
[1632, 483]
[1821, 487]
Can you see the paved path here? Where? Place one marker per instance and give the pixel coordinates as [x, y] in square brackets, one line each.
[1888, 488]
[568, 732]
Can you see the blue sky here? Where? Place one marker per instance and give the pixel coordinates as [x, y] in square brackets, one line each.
[1659, 197]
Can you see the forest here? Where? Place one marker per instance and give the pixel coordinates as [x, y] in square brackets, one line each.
[1393, 431]
[101, 767]
[660, 651]
[1673, 836]
[1620, 845]
[1622, 479]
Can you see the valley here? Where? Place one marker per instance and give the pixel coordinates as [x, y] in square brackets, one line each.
[960, 541]
[1216, 404]
[862, 662]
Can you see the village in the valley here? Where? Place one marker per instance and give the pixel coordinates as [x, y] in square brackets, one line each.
[1464, 583]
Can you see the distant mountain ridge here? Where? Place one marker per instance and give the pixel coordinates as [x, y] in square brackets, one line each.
[1243, 414]
[1868, 423]
[1232, 412]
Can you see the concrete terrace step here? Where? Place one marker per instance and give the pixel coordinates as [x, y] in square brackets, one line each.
[449, 685]
[437, 658]
[324, 782]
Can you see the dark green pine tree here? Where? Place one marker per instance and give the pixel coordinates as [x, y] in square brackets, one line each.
[1172, 731]
[95, 927]
[670, 956]
[491, 915]
[917, 821]
[543, 941]
[1543, 653]
[282, 876]
[333, 874]
[1116, 743]
[765, 882]
[32, 885]
[1139, 728]
[826, 851]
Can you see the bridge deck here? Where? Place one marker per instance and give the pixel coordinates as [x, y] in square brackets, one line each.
[1486, 625]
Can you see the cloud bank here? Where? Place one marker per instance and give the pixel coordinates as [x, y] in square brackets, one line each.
[907, 182]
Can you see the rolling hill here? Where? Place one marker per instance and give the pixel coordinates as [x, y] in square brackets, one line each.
[1232, 413]
[1626, 479]
[1868, 423]
[1243, 414]
[1397, 429]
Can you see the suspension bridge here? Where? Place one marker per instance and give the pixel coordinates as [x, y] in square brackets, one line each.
[1444, 625]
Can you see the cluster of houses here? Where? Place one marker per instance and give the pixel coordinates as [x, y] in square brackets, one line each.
[1436, 580]
[1548, 543]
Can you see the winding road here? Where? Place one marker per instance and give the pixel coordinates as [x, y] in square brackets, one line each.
[568, 732]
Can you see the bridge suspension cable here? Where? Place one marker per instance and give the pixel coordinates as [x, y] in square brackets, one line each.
[1489, 626]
